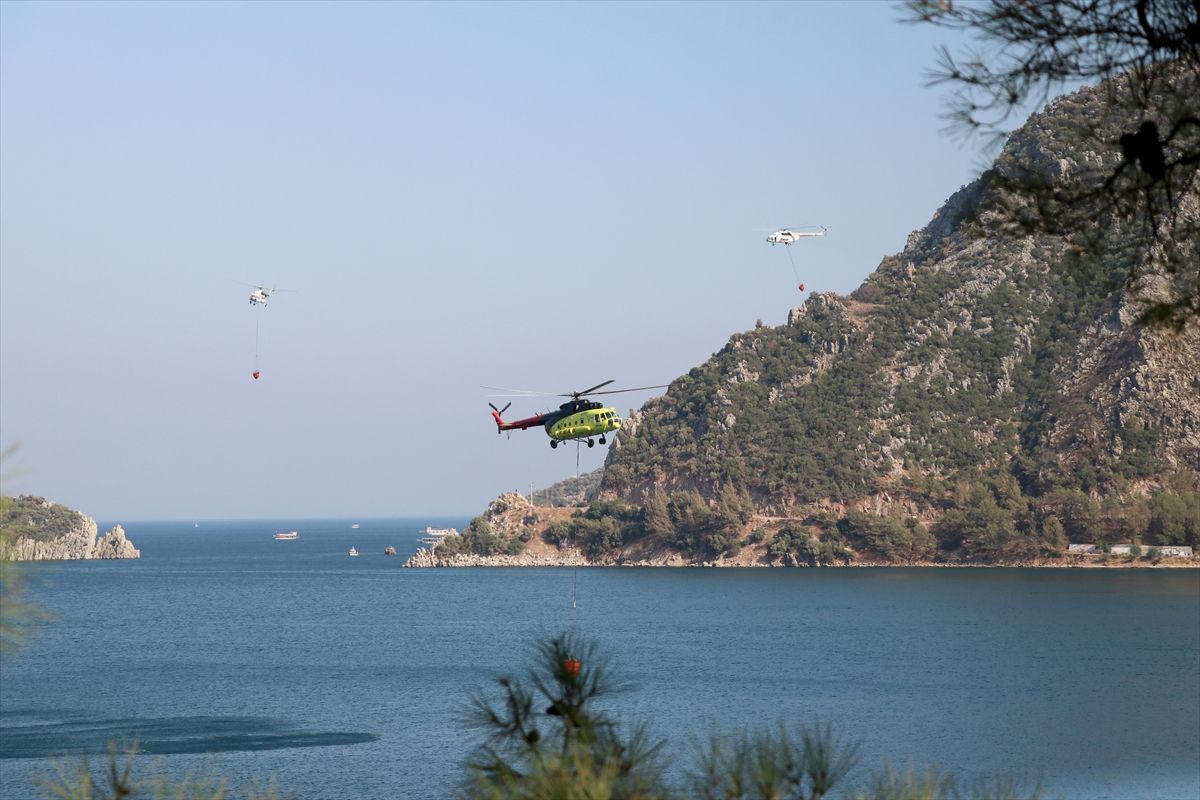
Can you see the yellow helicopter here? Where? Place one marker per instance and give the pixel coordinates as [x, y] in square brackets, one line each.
[575, 419]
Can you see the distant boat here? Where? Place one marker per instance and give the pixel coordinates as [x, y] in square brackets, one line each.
[287, 536]
[389, 551]
[355, 525]
[353, 551]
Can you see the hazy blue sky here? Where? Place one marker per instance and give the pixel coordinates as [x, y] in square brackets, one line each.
[533, 195]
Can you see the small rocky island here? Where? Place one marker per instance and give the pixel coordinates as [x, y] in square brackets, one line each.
[36, 529]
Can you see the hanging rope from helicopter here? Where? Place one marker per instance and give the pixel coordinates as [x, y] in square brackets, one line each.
[256, 373]
[795, 272]
[788, 237]
[574, 581]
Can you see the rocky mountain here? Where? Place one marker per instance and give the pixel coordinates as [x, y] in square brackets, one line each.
[971, 349]
[35, 529]
[987, 394]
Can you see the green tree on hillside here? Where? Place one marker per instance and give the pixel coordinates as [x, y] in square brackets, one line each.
[700, 530]
[658, 516]
[600, 529]
[898, 540]
[991, 519]
[1175, 513]
[1054, 535]
[1077, 511]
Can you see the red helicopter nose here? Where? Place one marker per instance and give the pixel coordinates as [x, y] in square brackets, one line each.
[256, 373]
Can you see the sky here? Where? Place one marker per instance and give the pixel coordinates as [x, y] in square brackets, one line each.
[541, 196]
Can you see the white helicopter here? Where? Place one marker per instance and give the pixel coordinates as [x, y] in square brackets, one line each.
[789, 236]
[262, 294]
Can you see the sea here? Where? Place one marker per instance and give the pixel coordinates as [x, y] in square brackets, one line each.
[336, 678]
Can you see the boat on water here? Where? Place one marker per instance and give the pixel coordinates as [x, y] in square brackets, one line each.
[355, 525]
[389, 551]
[434, 535]
[286, 536]
[353, 551]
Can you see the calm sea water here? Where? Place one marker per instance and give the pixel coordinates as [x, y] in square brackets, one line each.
[348, 677]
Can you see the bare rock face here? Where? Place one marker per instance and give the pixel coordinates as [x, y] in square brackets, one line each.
[114, 545]
[423, 558]
[506, 511]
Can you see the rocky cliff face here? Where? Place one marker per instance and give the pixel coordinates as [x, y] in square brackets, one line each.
[38, 530]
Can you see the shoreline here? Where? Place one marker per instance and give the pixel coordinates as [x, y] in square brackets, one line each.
[425, 559]
[515, 523]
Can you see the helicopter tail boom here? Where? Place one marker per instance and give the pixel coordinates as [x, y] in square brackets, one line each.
[518, 425]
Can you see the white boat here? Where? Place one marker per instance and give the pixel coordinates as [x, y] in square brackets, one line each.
[287, 536]
[353, 551]
[355, 525]
[435, 535]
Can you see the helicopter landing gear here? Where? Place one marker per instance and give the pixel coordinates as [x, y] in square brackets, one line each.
[602, 438]
[553, 443]
[591, 443]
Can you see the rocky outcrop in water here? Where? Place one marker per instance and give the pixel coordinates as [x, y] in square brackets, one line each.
[114, 545]
[36, 529]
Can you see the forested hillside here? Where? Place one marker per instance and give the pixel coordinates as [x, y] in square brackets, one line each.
[986, 394]
[38, 519]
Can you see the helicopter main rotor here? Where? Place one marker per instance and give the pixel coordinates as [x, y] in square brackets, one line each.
[573, 395]
[577, 395]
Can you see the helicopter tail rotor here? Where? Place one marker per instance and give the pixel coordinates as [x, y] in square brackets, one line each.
[496, 412]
